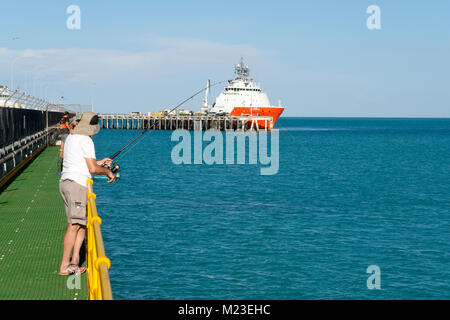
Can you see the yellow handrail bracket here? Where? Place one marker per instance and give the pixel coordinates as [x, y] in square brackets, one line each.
[98, 282]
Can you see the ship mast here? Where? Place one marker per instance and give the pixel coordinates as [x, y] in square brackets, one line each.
[242, 70]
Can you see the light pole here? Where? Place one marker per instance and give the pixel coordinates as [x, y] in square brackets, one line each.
[58, 106]
[26, 82]
[12, 68]
[61, 101]
[36, 75]
[92, 84]
[10, 39]
[12, 72]
[42, 93]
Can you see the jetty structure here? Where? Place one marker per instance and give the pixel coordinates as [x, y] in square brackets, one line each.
[187, 122]
[32, 217]
[242, 105]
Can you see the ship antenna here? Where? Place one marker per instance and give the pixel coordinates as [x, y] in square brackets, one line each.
[242, 70]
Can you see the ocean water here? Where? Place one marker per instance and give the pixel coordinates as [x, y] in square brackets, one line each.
[349, 193]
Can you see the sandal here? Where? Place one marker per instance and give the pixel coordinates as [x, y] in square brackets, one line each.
[69, 271]
[73, 269]
[80, 270]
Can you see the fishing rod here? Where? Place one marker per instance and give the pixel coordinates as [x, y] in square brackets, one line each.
[114, 167]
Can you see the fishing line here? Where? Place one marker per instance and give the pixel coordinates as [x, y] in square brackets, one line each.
[132, 147]
[142, 135]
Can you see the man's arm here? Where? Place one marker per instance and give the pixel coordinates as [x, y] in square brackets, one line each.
[94, 168]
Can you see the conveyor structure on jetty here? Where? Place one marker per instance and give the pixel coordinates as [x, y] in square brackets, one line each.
[187, 122]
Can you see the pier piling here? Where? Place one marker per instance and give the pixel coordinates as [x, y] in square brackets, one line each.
[187, 122]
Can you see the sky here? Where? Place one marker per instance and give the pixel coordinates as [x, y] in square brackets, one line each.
[318, 57]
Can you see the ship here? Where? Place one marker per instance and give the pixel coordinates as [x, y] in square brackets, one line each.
[243, 97]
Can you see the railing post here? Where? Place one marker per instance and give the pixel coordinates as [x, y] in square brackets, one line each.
[98, 264]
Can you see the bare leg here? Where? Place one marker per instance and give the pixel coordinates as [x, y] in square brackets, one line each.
[78, 243]
[61, 150]
[69, 242]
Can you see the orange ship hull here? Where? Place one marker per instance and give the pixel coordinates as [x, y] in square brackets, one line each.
[273, 112]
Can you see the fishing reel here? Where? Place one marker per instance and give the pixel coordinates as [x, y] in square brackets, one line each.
[115, 169]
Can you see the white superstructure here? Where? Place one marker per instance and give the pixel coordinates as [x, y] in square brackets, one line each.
[240, 92]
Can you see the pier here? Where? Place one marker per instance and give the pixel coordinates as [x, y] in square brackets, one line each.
[187, 122]
[33, 219]
[32, 226]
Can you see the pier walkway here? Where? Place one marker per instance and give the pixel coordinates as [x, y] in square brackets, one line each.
[32, 227]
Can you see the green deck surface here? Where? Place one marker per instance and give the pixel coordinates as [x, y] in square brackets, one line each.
[32, 227]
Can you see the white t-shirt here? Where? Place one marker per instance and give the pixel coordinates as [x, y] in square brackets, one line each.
[76, 148]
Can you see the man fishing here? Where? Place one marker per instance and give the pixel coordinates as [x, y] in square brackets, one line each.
[79, 163]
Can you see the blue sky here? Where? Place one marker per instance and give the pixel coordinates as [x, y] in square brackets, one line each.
[318, 57]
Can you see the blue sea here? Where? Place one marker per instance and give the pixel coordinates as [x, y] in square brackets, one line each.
[349, 193]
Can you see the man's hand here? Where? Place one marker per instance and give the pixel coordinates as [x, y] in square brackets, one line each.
[111, 177]
[95, 168]
[105, 161]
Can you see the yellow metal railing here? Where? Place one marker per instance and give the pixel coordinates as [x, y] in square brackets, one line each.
[98, 282]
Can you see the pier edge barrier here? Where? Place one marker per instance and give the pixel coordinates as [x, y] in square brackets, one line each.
[98, 281]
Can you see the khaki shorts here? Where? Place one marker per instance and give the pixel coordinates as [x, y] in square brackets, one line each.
[75, 199]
